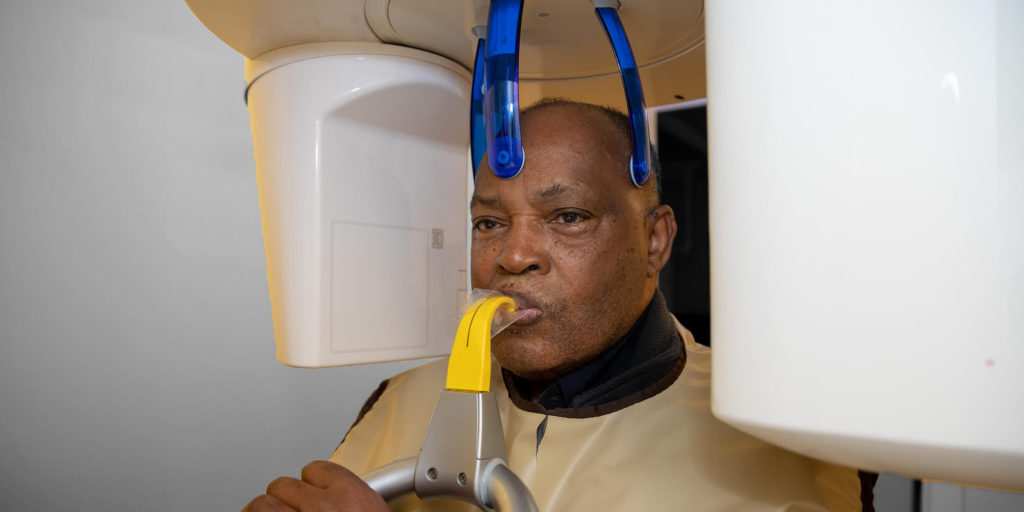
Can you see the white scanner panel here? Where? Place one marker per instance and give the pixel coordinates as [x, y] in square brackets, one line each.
[361, 156]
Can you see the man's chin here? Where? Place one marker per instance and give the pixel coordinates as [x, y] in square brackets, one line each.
[522, 356]
[528, 358]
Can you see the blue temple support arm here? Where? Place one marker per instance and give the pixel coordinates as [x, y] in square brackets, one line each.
[477, 129]
[640, 164]
[501, 99]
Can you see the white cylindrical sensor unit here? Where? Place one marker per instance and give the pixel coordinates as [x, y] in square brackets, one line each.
[867, 231]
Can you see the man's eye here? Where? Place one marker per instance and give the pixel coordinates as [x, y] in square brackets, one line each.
[485, 225]
[569, 217]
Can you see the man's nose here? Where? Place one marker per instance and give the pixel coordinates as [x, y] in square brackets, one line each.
[525, 248]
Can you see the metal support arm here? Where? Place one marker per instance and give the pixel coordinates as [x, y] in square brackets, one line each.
[462, 457]
[394, 480]
[505, 491]
[463, 453]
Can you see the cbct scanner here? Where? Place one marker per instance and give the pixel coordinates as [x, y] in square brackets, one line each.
[866, 194]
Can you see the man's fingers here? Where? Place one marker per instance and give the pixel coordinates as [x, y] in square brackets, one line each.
[265, 503]
[295, 493]
[324, 474]
[324, 486]
[343, 487]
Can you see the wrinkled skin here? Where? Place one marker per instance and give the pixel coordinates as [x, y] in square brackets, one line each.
[571, 240]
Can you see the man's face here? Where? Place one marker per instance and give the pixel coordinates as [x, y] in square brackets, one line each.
[567, 239]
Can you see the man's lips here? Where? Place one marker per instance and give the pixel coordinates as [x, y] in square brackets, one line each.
[527, 306]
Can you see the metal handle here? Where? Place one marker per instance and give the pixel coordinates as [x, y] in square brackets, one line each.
[463, 450]
[503, 490]
[394, 480]
[506, 492]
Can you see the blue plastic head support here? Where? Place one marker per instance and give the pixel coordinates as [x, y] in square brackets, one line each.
[477, 130]
[640, 164]
[501, 99]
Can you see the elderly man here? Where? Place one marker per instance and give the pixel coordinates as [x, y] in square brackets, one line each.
[604, 397]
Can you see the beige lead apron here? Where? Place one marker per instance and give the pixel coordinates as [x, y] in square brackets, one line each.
[665, 453]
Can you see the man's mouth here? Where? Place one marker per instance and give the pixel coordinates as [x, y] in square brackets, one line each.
[528, 306]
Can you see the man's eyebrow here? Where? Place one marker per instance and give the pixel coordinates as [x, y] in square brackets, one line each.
[549, 192]
[483, 201]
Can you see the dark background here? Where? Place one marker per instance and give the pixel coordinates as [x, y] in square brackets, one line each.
[683, 153]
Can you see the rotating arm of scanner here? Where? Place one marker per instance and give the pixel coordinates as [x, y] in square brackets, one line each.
[463, 452]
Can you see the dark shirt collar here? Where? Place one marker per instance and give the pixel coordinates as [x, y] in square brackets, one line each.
[643, 357]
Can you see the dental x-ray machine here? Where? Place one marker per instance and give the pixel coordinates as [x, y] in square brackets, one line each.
[866, 191]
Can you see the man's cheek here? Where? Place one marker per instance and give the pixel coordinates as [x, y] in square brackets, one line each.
[481, 276]
[478, 274]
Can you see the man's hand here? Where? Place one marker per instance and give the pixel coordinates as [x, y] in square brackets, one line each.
[325, 486]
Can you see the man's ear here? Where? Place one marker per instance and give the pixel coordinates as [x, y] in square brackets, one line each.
[661, 232]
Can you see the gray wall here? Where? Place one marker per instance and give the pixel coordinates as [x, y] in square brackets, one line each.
[137, 367]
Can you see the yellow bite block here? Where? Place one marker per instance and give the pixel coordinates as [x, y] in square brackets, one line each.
[469, 366]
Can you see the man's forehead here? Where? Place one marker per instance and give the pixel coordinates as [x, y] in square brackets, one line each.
[569, 151]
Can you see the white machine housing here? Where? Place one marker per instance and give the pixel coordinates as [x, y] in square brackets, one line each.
[867, 231]
[361, 161]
